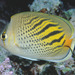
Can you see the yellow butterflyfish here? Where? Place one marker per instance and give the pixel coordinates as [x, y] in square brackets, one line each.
[38, 36]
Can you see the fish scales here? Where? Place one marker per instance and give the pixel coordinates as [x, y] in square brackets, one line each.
[36, 25]
[38, 36]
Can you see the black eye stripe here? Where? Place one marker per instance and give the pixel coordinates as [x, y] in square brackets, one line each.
[3, 36]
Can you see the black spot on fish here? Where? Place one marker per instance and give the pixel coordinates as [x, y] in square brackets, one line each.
[21, 38]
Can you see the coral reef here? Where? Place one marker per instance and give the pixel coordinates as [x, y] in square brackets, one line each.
[3, 53]
[50, 5]
[5, 67]
[13, 65]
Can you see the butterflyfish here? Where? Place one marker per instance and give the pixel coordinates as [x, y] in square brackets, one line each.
[38, 36]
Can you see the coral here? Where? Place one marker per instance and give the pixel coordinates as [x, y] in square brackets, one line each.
[50, 5]
[20, 65]
[3, 53]
[66, 66]
[5, 67]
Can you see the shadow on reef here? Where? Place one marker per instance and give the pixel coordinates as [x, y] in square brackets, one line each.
[68, 4]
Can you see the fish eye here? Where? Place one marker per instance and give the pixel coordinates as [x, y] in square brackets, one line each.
[4, 36]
